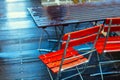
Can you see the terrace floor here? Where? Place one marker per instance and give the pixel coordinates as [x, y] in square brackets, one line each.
[19, 42]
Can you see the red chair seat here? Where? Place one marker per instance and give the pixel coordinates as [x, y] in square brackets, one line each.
[112, 45]
[53, 59]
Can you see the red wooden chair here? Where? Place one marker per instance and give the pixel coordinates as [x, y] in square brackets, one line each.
[68, 57]
[108, 43]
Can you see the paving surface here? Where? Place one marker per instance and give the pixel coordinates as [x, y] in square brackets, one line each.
[19, 43]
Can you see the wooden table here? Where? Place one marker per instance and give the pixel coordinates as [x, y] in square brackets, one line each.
[63, 15]
[68, 14]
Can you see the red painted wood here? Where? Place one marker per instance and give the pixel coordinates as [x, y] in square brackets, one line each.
[112, 45]
[110, 39]
[82, 33]
[113, 28]
[52, 54]
[59, 57]
[70, 65]
[115, 20]
[67, 61]
[80, 41]
[53, 59]
[109, 48]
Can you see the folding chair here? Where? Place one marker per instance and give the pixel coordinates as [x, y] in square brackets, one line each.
[68, 57]
[109, 43]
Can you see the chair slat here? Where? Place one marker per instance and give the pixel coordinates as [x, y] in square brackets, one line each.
[80, 41]
[110, 39]
[113, 44]
[115, 20]
[109, 48]
[113, 28]
[66, 61]
[82, 33]
[70, 60]
[58, 57]
[52, 54]
[70, 65]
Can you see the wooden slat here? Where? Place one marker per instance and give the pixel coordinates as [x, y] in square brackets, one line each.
[82, 33]
[80, 41]
[108, 48]
[113, 44]
[53, 54]
[66, 61]
[76, 14]
[113, 28]
[70, 65]
[59, 57]
[110, 39]
[115, 20]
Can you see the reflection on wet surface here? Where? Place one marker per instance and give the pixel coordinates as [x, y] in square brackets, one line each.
[16, 15]
[56, 12]
[60, 15]
[19, 42]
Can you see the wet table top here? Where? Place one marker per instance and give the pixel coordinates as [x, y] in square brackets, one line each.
[68, 14]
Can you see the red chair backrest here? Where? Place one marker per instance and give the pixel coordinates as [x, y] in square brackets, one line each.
[115, 24]
[109, 43]
[115, 20]
[113, 28]
[81, 36]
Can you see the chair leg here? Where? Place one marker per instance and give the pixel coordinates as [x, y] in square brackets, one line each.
[58, 76]
[79, 73]
[100, 67]
[50, 74]
[110, 59]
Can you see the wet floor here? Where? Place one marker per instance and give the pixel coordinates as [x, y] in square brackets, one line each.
[19, 42]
